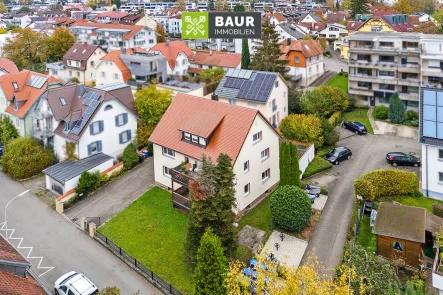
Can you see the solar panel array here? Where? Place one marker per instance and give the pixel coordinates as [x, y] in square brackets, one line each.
[236, 73]
[90, 100]
[234, 83]
[258, 89]
[36, 81]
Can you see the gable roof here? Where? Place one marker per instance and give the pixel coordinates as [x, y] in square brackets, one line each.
[28, 90]
[291, 30]
[216, 58]
[8, 66]
[240, 84]
[308, 48]
[8, 253]
[400, 221]
[335, 17]
[314, 26]
[11, 284]
[227, 137]
[316, 18]
[390, 18]
[114, 56]
[81, 52]
[172, 51]
[67, 170]
[280, 17]
[352, 26]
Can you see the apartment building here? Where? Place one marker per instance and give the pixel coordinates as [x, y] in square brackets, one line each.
[382, 63]
[432, 60]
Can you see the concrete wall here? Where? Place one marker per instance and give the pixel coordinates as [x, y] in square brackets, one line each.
[307, 158]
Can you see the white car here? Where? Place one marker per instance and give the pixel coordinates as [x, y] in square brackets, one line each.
[74, 283]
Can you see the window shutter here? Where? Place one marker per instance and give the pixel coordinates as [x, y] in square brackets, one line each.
[99, 146]
[120, 138]
[89, 149]
[101, 126]
[116, 120]
[125, 118]
[91, 130]
[129, 135]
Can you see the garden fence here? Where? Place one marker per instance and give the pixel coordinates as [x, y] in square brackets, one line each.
[151, 276]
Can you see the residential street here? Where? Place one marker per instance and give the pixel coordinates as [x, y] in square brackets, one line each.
[62, 246]
[369, 153]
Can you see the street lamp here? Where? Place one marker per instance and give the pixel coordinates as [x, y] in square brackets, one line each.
[6, 207]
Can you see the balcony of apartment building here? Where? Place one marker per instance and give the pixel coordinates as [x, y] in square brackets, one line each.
[409, 79]
[432, 81]
[409, 92]
[181, 176]
[411, 47]
[362, 88]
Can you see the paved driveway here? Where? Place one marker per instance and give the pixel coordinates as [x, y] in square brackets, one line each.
[335, 65]
[57, 247]
[369, 153]
[115, 196]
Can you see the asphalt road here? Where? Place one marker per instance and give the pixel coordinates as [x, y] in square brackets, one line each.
[34, 226]
[369, 153]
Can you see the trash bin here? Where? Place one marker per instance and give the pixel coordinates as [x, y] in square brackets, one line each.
[145, 153]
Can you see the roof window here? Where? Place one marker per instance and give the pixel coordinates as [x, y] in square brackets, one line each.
[15, 85]
[62, 101]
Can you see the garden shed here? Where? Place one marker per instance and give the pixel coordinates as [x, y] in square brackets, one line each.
[63, 177]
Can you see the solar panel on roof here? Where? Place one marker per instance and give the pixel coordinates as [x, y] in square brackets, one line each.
[235, 73]
[238, 83]
[248, 75]
[229, 82]
[242, 74]
[229, 72]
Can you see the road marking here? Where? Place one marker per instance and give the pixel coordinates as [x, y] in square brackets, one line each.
[4, 227]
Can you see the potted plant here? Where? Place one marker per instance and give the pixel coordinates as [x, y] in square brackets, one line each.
[183, 167]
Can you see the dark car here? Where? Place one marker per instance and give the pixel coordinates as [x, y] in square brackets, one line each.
[338, 154]
[1, 151]
[402, 159]
[355, 127]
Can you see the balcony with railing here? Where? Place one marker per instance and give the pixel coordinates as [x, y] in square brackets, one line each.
[296, 77]
[181, 176]
[42, 132]
[361, 91]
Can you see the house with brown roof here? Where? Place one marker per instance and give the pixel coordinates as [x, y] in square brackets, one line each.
[114, 36]
[275, 18]
[208, 59]
[304, 60]
[18, 94]
[177, 53]
[77, 63]
[131, 66]
[15, 275]
[193, 127]
[96, 120]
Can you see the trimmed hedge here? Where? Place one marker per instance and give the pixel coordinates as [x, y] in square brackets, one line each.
[386, 182]
[437, 209]
[335, 118]
[290, 208]
[381, 112]
[316, 166]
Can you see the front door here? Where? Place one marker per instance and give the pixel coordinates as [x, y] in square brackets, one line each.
[372, 101]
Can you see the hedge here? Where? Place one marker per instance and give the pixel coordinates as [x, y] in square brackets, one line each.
[316, 166]
[386, 182]
[381, 112]
[335, 118]
[437, 209]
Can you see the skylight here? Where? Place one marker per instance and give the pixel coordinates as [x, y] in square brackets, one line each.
[15, 85]
[62, 101]
[84, 50]
[307, 47]
[74, 50]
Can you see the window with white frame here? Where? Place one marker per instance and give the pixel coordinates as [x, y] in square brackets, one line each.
[125, 136]
[256, 137]
[265, 154]
[103, 75]
[62, 101]
[265, 174]
[15, 85]
[121, 119]
[246, 166]
[247, 189]
[187, 136]
[116, 76]
[195, 138]
[166, 171]
[168, 152]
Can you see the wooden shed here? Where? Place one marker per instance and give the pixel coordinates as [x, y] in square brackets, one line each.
[401, 232]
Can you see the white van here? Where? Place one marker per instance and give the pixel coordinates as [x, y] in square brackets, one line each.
[74, 283]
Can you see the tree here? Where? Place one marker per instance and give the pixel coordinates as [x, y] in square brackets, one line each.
[130, 156]
[212, 266]
[289, 166]
[427, 28]
[329, 134]
[70, 151]
[396, 109]
[429, 7]
[117, 3]
[346, 4]
[211, 5]
[219, 4]
[181, 5]
[88, 182]
[160, 30]
[7, 130]
[24, 157]
[294, 98]
[213, 74]
[27, 49]
[3, 8]
[246, 57]
[239, 8]
[268, 53]
[74, 80]
[330, 4]
[324, 100]
[150, 104]
[402, 6]
[337, 5]
[359, 7]
[226, 6]
[26, 10]
[438, 15]
[307, 37]
[304, 128]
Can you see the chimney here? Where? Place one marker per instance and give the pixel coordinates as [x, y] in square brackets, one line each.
[288, 41]
[214, 97]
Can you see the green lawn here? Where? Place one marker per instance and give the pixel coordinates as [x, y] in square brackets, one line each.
[422, 202]
[340, 82]
[365, 237]
[359, 115]
[259, 217]
[153, 232]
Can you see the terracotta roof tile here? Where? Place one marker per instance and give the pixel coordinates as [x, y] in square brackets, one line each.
[202, 123]
[8, 253]
[11, 284]
[115, 57]
[8, 66]
[228, 137]
[280, 17]
[171, 53]
[309, 48]
[352, 26]
[216, 59]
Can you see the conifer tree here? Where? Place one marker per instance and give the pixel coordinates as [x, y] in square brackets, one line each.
[246, 56]
[268, 53]
[289, 166]
[359, 7]
[212, 267]
[396, 109]
[211, 5]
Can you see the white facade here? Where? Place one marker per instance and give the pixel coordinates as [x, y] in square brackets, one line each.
[106, 71]
[181, 64]
[432, 170]
[250, 152]
[333, 31]
[175, 25]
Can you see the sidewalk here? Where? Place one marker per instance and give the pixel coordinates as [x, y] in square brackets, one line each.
[381, 127]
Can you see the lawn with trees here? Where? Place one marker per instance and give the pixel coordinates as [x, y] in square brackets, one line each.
[340, 82]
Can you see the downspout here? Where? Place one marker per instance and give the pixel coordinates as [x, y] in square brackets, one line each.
[427, 188]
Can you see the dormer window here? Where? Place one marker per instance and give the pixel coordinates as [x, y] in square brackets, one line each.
[15, 85]
[62, 101]
[15, 105]
[187, 136]
[195, 138]
[192, 138]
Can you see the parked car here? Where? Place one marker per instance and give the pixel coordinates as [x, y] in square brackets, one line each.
[313, 190]
[74, 283]
[335, 156]
[1, 151]
[402, 159]
[356, 127]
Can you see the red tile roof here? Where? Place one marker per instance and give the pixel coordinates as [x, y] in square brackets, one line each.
[314, 26]
[280, 17]
[228, 136]
[115, 57]
[405, 27]
[8, 66]
[171, 53]
[309, 48]
[11, 284]
[413, 20]
[352, 26]
[111, 14]
[8, 253]
[216, 59]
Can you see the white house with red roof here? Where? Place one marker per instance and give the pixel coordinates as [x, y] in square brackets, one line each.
[175, 24]
[177, 54]
[275, 18]
[204, 59]
[193, 127]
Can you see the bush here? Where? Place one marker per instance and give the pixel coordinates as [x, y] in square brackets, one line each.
[345, 74]
[130, 156]
[290, 208]
[316, 166]
[330, 135]
[335, 118]
[324, 101]
[74, 80]
[396, 109]
[24, 157]
[414, 123]
[381, 112]
[437, 209]
[411, 115]
[87, 183]
[304, 128]
[386, 182]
